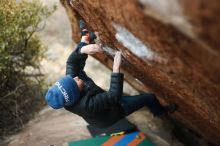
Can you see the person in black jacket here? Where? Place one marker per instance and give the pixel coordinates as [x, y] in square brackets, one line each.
[78, 93]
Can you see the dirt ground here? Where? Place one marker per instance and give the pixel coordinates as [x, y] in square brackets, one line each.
[57, 127]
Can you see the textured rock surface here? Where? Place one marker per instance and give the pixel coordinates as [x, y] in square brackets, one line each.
[204, 16]
[159, 57]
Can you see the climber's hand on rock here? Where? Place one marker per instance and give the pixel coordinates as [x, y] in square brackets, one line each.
[91, 49]
[117, 62]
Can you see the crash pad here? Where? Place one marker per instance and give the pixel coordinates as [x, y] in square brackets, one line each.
[130, 139]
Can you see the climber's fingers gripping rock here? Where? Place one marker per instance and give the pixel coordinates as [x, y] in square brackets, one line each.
[117, 62]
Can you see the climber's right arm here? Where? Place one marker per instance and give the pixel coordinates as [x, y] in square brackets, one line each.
[77, 59]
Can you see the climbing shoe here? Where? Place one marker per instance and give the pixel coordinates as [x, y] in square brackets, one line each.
[82, 25]
[171, 108]
[84, 32]
[83, 28]
[92, 37]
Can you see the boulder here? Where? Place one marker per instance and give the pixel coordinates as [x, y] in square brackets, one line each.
[173, 57]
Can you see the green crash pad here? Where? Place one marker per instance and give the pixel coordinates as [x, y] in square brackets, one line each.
[130, 139]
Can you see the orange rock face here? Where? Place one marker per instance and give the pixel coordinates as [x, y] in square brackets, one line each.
[157, 56]
[203, 15]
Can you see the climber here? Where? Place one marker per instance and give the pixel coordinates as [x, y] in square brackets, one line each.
[77, 92]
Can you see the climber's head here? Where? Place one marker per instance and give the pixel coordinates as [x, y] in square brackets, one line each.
[64, 92]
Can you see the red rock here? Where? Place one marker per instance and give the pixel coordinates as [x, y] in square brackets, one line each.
[176, 67]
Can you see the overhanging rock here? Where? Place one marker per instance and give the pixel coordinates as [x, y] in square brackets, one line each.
[157, 56]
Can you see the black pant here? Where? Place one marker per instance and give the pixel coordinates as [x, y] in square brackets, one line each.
[131, 104]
